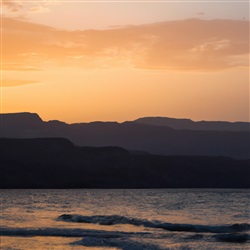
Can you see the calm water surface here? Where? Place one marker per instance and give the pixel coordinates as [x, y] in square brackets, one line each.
[125, 219]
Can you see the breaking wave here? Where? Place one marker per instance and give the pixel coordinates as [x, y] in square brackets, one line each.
[117, 219]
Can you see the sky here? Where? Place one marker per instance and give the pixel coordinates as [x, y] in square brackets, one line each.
[80, 61]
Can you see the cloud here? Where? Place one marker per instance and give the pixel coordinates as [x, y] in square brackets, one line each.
[200, 13]
[211, 46]
[39, 9]
[18, 67]
[11, 5]
[192, 44]
[15, 83]
[22, 9]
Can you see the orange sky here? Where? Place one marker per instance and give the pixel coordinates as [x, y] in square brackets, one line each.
[190, 64]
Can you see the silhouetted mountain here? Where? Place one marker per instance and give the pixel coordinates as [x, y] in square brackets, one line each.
[132, 136]
[191, 125]
[57, 163]
[20, 124]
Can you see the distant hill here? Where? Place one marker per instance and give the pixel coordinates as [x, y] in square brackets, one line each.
[192, 125]
[133, 136]
[58, 163]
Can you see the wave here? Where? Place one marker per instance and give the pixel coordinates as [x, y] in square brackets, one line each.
[236, 238]
[117, 219]
[124, 244]
[128, 244]
[90, 238]
[121, 240]
[63, 232]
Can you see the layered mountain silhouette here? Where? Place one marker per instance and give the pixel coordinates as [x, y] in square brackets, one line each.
[155, 135]
[58, 163]
[191, 125]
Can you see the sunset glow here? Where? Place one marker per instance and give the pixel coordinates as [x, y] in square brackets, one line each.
[83, 61]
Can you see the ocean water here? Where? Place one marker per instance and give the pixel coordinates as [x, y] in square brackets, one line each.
[125, 219]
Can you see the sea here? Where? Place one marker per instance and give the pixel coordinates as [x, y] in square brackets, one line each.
[127, 219]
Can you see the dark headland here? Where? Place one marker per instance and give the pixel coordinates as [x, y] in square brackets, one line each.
[135, 154]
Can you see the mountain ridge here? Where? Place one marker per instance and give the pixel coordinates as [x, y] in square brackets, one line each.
[184, 123]
[58, 163]
[131, 135]
[175, 123]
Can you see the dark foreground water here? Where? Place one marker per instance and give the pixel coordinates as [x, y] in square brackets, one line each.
[125, 219]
